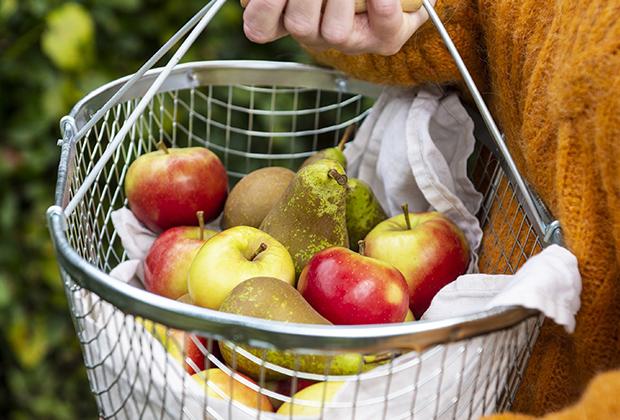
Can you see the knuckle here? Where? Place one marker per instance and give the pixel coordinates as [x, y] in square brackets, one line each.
[298, 26]
[334, 36]
[386, 8]
[255, 34]
[269, 6]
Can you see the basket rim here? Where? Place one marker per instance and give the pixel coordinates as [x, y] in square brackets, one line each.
[242, 329]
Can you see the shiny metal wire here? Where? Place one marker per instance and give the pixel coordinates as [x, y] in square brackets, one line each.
[256, 114]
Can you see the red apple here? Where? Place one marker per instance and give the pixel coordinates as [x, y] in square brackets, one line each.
[167, 264]
[427, 248]
[167, 187]
[349, 288]
[195, 354]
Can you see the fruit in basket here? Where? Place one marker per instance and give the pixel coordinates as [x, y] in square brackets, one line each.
[271, 299]
[232, 256]
[348, 288]
[254, 196]
[167, 187]
[317, 394]
[222, 386]
[409, 317]
[333, 153]
[285, 387]
[311, 215]
[363, 211]
[427, 248]
[181, 346]
[168, 261]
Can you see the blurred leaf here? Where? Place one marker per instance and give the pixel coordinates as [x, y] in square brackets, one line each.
[69, 37]
[28, 340]
[7, 8]
[5, 291]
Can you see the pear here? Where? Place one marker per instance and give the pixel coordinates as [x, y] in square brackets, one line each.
[333, 153]
[253, 197]
[311, 214]
[273, 299]
[363, 211]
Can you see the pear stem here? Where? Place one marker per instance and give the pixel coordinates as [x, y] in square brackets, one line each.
[162, 146]
[362, 247]
[201, 223]
[261, 248]
[405, 208]
[345, 137]
[340, 178]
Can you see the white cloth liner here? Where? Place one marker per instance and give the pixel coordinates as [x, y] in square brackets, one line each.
[438, 139]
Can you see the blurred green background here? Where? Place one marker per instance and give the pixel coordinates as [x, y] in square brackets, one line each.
[51, 54]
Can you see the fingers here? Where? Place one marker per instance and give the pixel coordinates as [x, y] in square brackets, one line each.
[302, 19]
[262, 20]
[337, 23]
[384, 29]
[385, 17]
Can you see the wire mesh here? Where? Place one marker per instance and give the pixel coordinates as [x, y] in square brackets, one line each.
[139, 369]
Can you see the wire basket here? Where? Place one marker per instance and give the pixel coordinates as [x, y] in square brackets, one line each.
[256, 114]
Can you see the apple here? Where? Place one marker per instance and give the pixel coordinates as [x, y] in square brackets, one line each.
[167, 187]
[349, 288]
[409, 317]
[170, 257]
[308, 401]
[427, 248]
[222, 386]
[232, 256]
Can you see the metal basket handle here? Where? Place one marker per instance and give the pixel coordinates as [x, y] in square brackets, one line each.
[197, 24]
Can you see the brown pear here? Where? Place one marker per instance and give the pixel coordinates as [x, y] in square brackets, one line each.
[254, 196]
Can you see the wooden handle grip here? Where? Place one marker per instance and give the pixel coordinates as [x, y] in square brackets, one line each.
[360, 5]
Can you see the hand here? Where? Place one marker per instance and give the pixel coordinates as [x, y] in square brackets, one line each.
[317, 24]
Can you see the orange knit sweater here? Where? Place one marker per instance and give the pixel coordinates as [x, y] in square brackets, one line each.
[551, 73]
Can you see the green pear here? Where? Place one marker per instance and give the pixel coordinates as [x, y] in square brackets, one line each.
[363, 211]
[311, 215]
[273, 299]
[333, 153]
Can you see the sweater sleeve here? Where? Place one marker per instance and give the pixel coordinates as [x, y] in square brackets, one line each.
[424, 58]
[599, 401]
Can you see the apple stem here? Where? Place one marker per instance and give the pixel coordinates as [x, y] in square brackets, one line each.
[405, 208]
[201, 223]
[362, 247]
[162, 146]
[345, 137]
[340, 178]
[261, 248]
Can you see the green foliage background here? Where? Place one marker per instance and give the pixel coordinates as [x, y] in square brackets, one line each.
[52, 53]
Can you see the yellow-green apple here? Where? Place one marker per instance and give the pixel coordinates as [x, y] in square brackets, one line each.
[308, 401]
[349, 288]
[427, 248]
[284, 387]
[222, 386]
[232, 256]
[167, 187]
[170, 257]
[409, 317]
